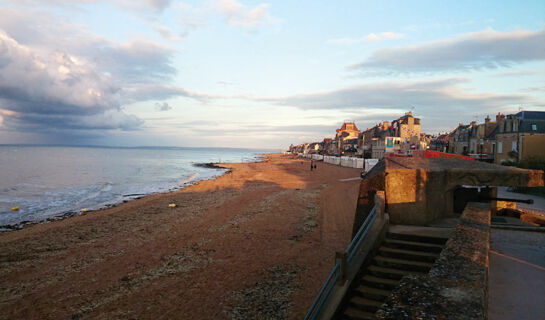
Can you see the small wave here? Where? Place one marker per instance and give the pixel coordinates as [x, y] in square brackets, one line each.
[188, 179]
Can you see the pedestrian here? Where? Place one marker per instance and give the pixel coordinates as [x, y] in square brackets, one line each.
[311, 165]
[314, 167]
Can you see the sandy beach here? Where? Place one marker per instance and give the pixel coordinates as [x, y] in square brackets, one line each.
[257, 243]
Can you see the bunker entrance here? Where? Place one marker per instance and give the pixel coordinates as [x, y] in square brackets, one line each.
[464, 194]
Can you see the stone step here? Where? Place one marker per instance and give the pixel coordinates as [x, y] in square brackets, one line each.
[355, 314]
[416, 238]
[390, 273]
[403, 264]
[408, 254]
[365, 304]
[372, 293]
[379, 283]
[412, 245]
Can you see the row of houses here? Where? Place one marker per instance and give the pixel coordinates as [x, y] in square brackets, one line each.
[510, 138]
[397, 137]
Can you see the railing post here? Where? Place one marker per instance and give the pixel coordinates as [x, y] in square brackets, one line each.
[380, 201]
[341, 257]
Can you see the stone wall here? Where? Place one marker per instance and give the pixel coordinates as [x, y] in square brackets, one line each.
[456, 286]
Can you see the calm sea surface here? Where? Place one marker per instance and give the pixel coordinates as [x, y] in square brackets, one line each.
[45, 182]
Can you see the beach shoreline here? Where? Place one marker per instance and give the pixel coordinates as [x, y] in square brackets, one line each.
[262, 228]
[125, 198]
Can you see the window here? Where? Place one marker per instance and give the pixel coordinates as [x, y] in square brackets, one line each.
[534, 127]
[500, 145]
[514, 146]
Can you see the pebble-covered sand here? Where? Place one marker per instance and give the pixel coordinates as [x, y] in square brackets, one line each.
[256, 243]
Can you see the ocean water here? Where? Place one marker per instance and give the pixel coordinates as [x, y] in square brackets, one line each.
[50, 182]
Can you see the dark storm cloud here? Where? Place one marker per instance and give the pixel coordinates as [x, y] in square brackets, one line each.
[60, 76]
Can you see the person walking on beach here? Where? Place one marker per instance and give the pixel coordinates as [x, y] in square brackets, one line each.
[311, 165]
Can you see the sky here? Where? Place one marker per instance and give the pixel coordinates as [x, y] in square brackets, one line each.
[254, 74]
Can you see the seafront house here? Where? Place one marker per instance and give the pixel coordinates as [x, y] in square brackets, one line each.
[404, 133]
[314, 148]
[482, 139]
[329, 146]
[347, 138]
[440, 143]
[407, 128]
[383, 146]
[459, 142]
[520, 136]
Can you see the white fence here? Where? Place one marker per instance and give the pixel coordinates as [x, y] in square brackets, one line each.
[332, 160]
[317, 157]
[350, 162]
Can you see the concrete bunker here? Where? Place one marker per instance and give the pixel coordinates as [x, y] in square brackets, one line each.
[419, 191]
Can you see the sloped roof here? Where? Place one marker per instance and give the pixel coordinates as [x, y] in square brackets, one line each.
[527, 126]
[531, 115]
[343, 127]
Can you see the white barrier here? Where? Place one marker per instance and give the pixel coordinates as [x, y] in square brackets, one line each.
[359, 163]
[350, 162]
[370, 163]
[317, 157]
[332, 160]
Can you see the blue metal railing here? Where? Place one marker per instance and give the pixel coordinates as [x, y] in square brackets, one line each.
[350, 251]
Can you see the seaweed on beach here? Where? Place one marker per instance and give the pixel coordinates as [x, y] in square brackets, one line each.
[209, 165]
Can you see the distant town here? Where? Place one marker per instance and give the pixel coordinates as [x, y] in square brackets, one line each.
[506, 139]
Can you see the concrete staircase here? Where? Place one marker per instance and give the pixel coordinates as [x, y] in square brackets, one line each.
[400, 254]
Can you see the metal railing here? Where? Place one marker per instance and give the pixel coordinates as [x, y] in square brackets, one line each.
[340, 267]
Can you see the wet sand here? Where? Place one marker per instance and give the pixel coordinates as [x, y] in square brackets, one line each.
[257, 242]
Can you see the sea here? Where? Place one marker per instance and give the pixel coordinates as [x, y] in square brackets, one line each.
[52, 182]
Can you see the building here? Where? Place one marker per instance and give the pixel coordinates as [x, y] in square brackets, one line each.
[382, 146]
[329, 146]
[407, 128]
[520, 136]
[459, 140]
[482, 139]
[440, 143]
[345, 137]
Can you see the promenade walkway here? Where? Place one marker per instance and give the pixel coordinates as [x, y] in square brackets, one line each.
[516, 275]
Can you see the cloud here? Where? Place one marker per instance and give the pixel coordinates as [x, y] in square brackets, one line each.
[528, 72]
[479, 50]
[57, 89]
[158, 5]
[239, 15]
[440, 101]
[146, 92]
[168, 34]
[162, 106]
[535, 88]
[372, 37]
[59, 76]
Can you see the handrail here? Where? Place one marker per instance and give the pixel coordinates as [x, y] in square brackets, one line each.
[360, 230]
[351, 250]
